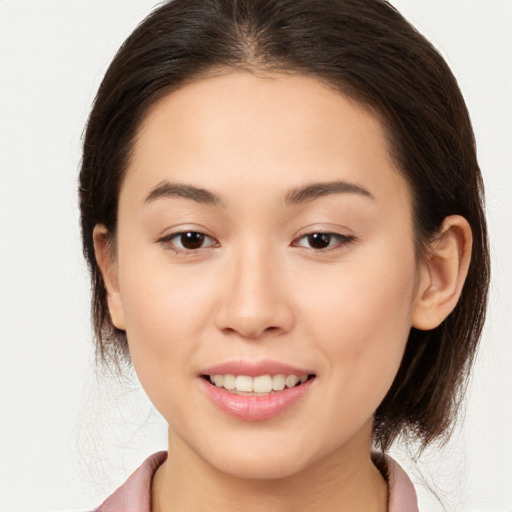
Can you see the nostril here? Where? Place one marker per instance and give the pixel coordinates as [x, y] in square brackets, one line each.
[246, 330]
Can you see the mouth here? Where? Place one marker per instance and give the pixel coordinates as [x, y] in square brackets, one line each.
[260, 385]
[256, 391]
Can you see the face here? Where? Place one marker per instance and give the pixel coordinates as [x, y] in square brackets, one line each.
[264, 237]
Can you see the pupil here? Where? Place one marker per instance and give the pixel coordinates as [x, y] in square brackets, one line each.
[192, 240]
[319, 240]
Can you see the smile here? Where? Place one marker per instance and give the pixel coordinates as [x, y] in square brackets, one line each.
[257, 397]
[258, 385]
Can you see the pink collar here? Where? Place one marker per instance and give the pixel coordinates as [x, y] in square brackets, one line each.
[402, 496]
[135, 494]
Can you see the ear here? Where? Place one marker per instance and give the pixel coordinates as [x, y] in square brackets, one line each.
[107, 263]
[443, 273]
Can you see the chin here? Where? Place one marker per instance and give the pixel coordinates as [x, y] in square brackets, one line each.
[262, 457]
[261, 467]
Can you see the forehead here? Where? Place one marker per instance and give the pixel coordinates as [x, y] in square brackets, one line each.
[275, 129]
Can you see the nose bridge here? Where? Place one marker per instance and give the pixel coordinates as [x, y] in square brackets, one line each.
[253, 301]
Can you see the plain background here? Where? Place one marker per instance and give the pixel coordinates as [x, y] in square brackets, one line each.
[68, 435]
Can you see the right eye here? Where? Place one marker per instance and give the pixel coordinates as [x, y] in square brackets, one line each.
[186, 241]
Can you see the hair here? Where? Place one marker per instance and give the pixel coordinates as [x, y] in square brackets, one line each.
[367, 51]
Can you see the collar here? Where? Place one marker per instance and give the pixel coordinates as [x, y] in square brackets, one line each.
[135, 494]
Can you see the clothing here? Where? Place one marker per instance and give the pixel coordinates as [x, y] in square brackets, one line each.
[135, 494]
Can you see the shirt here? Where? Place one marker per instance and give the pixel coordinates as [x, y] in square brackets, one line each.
[135, 494]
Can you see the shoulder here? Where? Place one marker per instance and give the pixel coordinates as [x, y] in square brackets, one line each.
[135, 494]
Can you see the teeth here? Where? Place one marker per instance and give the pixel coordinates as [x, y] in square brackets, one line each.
[278, 382]
[243, 383]
[229, 382]
[291, 381]
[262, 384]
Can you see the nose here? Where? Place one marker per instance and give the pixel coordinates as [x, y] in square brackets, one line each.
[253, 302]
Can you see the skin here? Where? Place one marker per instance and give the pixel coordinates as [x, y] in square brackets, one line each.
[258, 290]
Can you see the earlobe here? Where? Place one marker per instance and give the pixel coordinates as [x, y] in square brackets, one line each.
[105, 258]
[443, 273]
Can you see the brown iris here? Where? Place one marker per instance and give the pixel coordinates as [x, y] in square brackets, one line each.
[192, 240]
[319, 240]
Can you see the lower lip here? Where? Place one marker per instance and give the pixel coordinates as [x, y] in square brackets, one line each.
[253, 407]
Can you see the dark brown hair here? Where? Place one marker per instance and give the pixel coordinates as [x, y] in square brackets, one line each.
[366, 50]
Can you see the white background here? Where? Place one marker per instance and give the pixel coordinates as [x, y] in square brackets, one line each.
[69, 434]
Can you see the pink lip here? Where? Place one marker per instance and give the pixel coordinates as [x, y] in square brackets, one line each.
[254, 368]
[253, 407]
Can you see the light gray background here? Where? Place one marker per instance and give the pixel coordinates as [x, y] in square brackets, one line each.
[67, 436]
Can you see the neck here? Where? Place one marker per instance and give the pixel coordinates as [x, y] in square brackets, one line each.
[345, 480]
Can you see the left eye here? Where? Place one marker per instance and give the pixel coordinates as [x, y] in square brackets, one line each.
[190, 240]
[323, 240]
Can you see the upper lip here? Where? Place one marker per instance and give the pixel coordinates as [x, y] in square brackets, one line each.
[255, 368]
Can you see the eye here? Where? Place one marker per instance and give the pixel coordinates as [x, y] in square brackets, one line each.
[319, 241]
[188, 241]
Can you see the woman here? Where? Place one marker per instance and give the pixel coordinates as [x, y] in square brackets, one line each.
[282, 214]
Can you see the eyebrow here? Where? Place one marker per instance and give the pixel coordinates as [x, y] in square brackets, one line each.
[303, 194]
[317, 190]
[166, 189]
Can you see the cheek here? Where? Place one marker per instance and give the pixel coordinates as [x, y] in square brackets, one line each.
[165, 311]
[362, 321]
[162, 302]
[362, 336]
[162, 325]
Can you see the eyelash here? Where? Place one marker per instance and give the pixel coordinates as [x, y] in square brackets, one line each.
[340, 241]
[168, 241]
